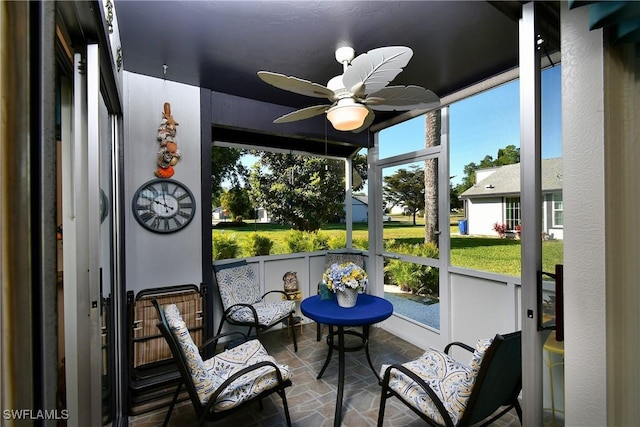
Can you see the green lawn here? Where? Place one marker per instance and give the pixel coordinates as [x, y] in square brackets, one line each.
[479, 253]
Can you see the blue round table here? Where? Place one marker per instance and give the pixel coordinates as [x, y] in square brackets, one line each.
[368, 310]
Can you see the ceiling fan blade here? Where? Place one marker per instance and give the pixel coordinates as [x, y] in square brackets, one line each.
[296, 85]
[367, 122]
[304, 113]
[399, 98]
[376, 68]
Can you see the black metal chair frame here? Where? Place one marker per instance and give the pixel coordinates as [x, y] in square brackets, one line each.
[255, 324]
[498, 384]
[205, 412]
[150, 385]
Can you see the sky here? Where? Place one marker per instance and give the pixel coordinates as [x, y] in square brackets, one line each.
[484, 123]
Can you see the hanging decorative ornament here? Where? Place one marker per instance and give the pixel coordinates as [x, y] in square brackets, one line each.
[168, 155]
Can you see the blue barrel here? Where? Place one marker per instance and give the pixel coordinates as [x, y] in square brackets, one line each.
[462, 227]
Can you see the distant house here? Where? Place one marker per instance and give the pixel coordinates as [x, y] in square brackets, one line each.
[220, 214]
[360, 208]
[496, 198]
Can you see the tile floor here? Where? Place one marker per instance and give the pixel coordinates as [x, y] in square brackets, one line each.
[312, 401]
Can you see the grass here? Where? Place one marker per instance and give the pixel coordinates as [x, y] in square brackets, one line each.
[491, 254]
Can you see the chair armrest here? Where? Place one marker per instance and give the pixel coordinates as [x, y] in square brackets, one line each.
[432, 395]
[232, 378]
[253, 311]
[214, 340]
[458, 344]
[273, 291]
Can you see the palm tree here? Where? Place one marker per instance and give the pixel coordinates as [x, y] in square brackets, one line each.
[432, 139]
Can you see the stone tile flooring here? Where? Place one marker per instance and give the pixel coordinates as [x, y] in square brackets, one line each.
[312, 401]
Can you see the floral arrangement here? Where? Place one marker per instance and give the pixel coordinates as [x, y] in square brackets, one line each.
[346, 275]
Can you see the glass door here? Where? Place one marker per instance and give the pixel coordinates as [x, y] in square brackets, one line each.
[107, 281]
[89, 245]
[413, 246]
[541, 222]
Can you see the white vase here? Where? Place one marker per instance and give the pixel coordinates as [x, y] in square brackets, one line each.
[347, 298]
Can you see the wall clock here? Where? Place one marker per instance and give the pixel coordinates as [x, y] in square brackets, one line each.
[163, 205]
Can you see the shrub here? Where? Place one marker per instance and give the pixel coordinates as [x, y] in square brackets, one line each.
[304, 241]
[318, 241]
[361, 244]
[337, 241]
[224, 246]
[501, 229]
[230, 224]
[295, 241]
[257, 244]
[415, 278]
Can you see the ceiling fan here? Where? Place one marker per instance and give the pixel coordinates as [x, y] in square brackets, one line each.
[360, 89]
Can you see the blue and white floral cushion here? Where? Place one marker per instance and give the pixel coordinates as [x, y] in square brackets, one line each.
[451, 380]
[268, 312]
[239, 285]
[208, 375]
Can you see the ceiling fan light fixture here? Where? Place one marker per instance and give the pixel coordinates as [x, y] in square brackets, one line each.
[347, 117]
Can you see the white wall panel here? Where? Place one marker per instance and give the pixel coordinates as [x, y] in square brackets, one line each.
[483, 213]
[482, 308]
[584, 228]
[161, 259]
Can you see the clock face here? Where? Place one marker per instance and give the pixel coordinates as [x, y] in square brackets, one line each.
[163, 205]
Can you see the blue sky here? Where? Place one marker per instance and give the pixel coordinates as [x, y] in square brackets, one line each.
[484, 123]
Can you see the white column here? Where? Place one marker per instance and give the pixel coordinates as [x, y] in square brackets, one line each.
[583, 120]
[530, 188]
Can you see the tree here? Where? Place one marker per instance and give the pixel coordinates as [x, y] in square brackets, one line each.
[361, 167]
[236, 201]
[300, 191]
[225, 165]
[454, 200]
[432, 139]
[506, 156]
[406, 188]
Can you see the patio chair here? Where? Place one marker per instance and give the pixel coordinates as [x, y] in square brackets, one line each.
[338, 258]
[443, 391]
[226, 382]
[244, 306]
[152, 375]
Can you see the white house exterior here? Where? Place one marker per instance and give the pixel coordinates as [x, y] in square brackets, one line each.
[359, 206]
[495, 198]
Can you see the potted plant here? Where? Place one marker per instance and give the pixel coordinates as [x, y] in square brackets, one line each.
[345, 280]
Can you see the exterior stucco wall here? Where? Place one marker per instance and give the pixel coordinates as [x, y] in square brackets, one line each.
[584, 217]
[482, 214]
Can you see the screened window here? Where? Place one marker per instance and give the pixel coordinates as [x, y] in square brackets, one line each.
[512, 213]
[279, 202]
[557, 210]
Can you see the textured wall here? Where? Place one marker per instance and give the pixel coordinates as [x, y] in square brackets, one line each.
[175, 258]
[584, 215]
[622, 154]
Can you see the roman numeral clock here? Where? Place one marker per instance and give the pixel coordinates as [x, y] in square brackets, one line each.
[163, 205]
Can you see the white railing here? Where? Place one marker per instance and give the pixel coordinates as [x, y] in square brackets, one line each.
[480, 304]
